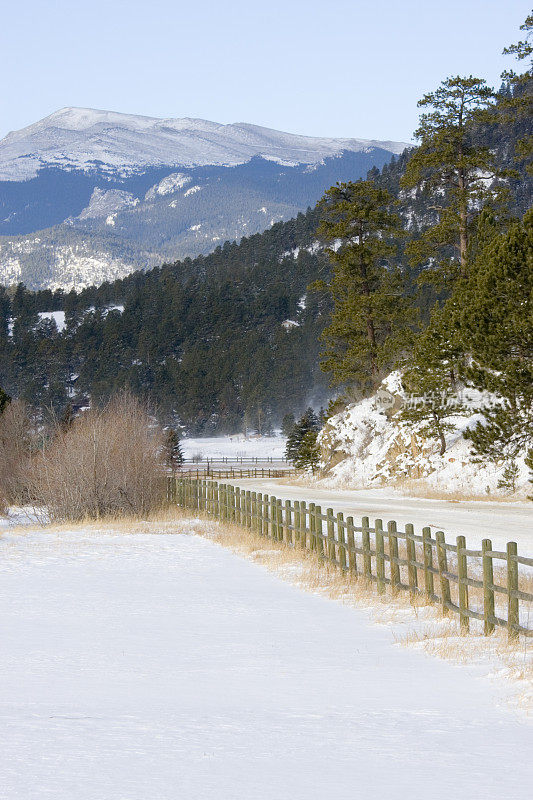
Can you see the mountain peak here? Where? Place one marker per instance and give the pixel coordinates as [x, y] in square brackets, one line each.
[117, 143]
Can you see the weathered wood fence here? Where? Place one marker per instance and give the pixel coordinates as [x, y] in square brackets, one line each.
[234, 472]
[420, 564]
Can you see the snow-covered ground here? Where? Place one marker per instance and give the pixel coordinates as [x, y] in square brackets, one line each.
[238, 446]
[155, 666]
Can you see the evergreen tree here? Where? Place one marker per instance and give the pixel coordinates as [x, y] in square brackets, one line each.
[430, 378]
[519, 102]
[496, 323]
[287, 424]
[308, 455]
[173, 455]
[4, 400]
[452, 169]
[308, 422]
[370, 310]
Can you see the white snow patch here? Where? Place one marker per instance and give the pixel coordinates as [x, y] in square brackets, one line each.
[57, 316]
[144, 665]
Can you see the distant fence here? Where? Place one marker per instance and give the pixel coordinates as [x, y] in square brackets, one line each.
[201, 459]
[400, 560]
[234, 472]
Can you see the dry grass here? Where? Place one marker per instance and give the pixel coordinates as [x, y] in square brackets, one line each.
[410, 487]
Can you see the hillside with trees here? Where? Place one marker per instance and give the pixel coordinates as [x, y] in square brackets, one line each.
[382, 272]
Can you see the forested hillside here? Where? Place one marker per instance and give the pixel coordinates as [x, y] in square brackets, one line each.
[231, 340]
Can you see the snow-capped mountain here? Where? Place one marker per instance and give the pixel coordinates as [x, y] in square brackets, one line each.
[89, 195]
[107, 141]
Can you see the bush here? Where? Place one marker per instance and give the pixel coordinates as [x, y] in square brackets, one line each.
[106, 463]
[18, 438]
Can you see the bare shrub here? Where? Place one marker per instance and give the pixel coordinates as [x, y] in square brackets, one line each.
[17, 440]
[106, 463]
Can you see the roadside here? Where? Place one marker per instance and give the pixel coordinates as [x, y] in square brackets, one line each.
[476, 520]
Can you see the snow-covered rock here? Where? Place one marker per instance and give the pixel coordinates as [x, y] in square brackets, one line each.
[105, 203]
[368, 444]
[172, 183]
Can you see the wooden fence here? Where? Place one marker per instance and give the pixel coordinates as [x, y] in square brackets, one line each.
[233, 472]
[400, 560]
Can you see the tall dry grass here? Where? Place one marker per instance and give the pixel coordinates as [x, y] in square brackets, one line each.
[106, 463]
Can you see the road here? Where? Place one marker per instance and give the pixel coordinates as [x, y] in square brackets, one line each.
[500, 522]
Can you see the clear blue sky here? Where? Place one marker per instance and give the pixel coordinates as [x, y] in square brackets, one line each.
[319, 67]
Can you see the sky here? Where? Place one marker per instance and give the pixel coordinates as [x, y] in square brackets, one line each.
[340, 68]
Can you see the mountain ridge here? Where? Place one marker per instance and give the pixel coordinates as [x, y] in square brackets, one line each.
[120, 143]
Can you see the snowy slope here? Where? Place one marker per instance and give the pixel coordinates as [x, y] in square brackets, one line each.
[85, 138]
[156, 667]
[365, 446]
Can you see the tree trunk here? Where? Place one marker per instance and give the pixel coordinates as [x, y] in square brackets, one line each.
[439, 433]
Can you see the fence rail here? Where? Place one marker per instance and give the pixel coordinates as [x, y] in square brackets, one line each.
[234, 472]
[201, 459]
[391, 558]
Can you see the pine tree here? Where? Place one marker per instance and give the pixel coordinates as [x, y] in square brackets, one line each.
[308, 422]
[287, 424]
[496, 324]
[430, 378]
[4, 400]
[308, 455]
[452, 170]
[370, 311]
[519, 102]
[173, 454]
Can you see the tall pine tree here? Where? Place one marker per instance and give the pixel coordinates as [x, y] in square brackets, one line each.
[371, 313]
[453, 171]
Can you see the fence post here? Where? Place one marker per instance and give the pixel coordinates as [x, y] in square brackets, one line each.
[288, 522]
[342, 540]
[254, 512]
[330, 522]
[462, 576]
[488, 587]
[237, 505]
[297, 523]
[318, 532]
[367, 561]
[352, 559]
[248, 509]
[513, 617]
[273, 517]
[259, 513]
[380, 556]
[279, 517]
[411, 558]
[442, 560]
[428, 563]
[393, 555]
[216, 506]
[303, 524]
[233, 509]
[312, 528]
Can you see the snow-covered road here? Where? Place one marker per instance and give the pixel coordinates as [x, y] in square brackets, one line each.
[159, 667]
[477, 520]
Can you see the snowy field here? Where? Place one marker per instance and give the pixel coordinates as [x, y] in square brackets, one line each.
[156, 666]
[238, 446]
